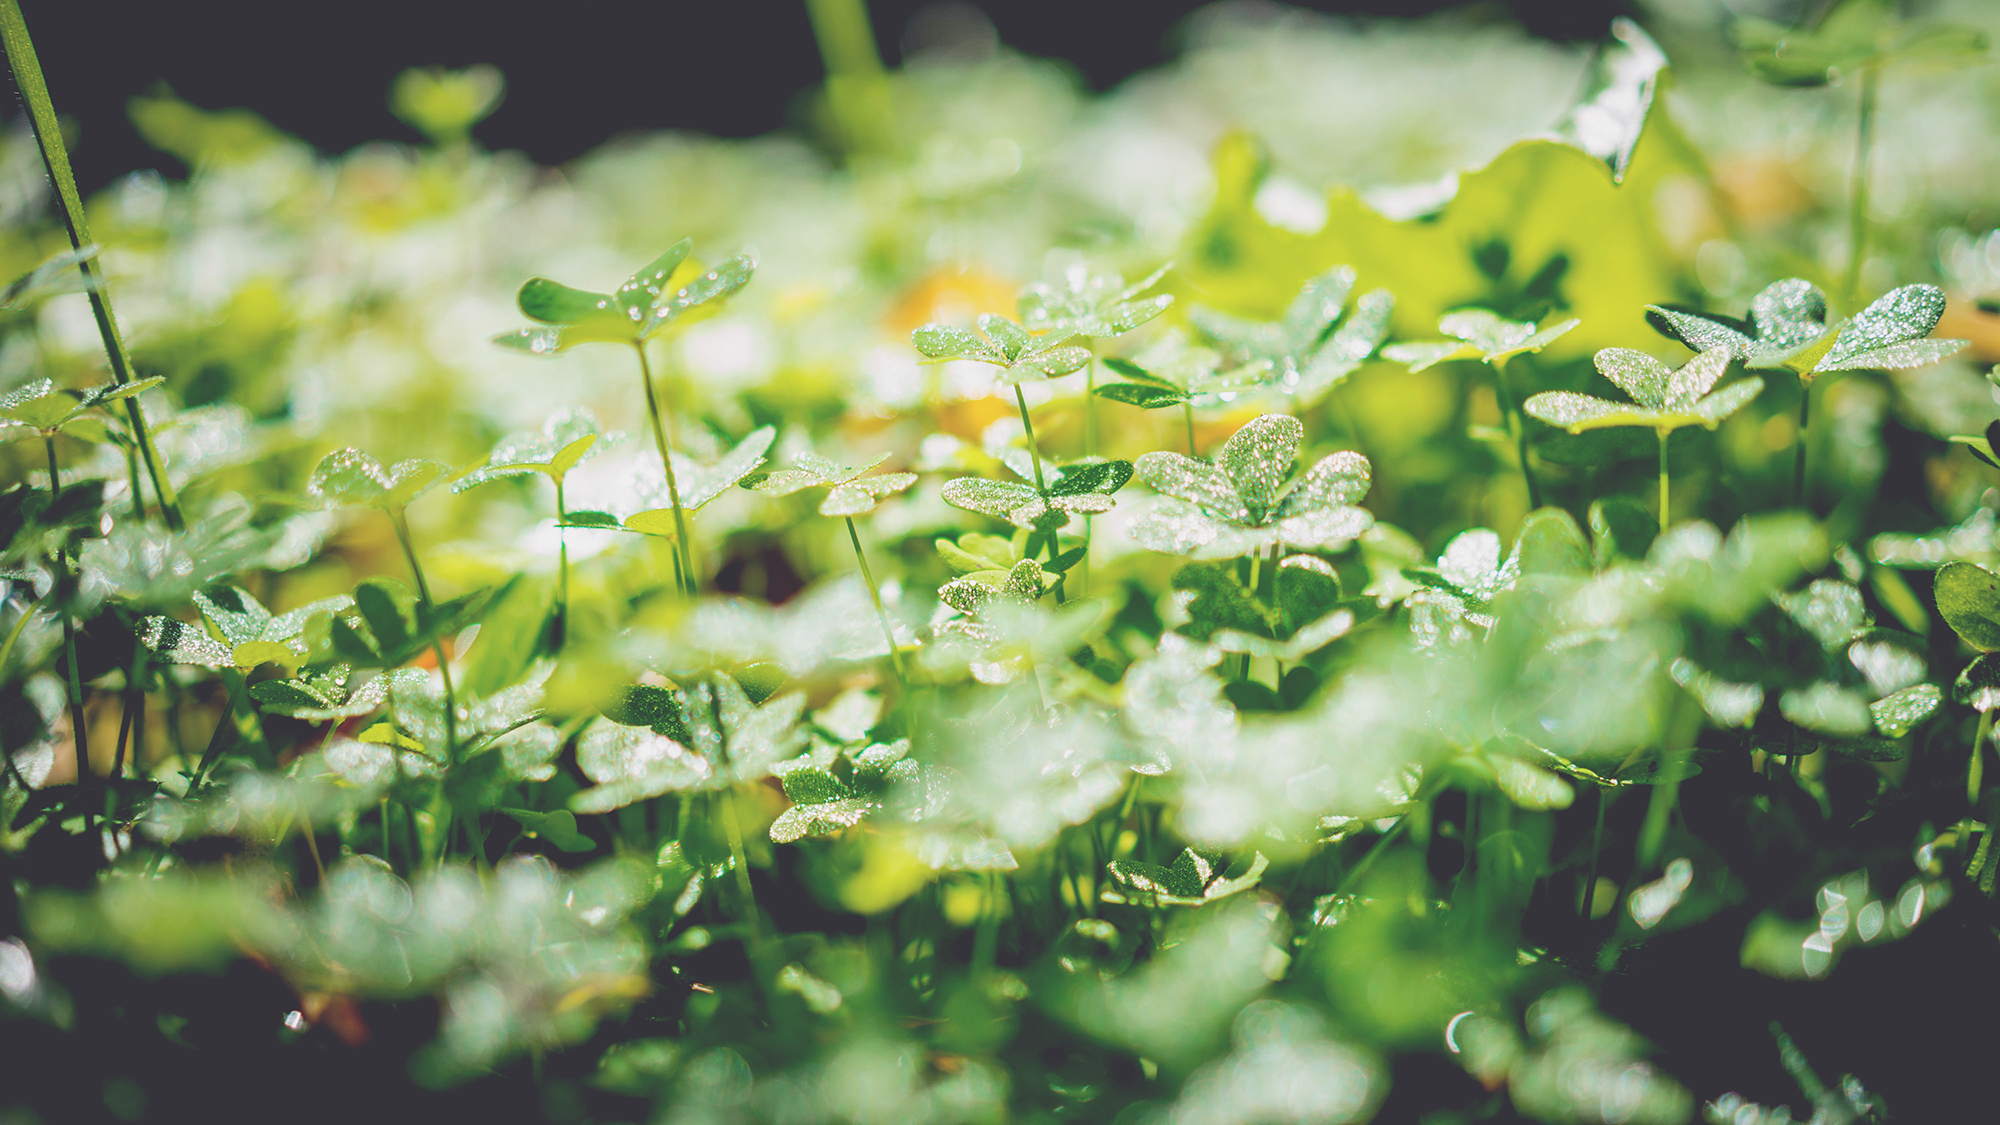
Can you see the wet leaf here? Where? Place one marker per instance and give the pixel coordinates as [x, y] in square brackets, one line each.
[1551, 543]
[1831, 611]
[1899, 713]
[1827, 708]
[1889, 333]
[1968, 598]
[1141, 395]
[1608, 119]
[1978, 686]
[1727, 704]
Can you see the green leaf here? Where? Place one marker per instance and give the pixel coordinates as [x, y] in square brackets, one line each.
[184, 644]
[642, 705]
[348, 477]
[1136, 373]
[942, 341]
[1620, 529]
[1018, 504]
[558, 828]
[593, 519]
[1830, 610]
[554, 303]
[701, 483]
[1551, 543]
[239, 617]
[59, 274]
[643, 288]
[1889, 333]
[1968, 598]
[1978, 687]
[1215, 601]
[40, 405]
[1610, 117]
[1102, 477]
[1898, 713]
[1141, 395]
[1258, 458]
[1307, 589]
[710, 287]
[389, 610]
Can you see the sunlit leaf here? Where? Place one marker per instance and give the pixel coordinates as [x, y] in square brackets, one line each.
[1968, 598]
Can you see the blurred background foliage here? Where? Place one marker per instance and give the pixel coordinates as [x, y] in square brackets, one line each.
[1380, 889]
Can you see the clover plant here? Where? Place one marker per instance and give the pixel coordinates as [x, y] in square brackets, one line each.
[1217, 771]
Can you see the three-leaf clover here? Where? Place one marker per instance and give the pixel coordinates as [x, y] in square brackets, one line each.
[564, 441]
[350, 477]
[40, 410]
[1788, 328]
[1304, 616]
[850, 491]
[707, 737]
[1301, 353]
[241, 632]
[1091, 304]
[1477, 334]
[1080, 488]
[1666, 399]
[1193, 880]
[1240, 503]
[1017, 352]
[632, 314]
[1002, 632]
[824, 803]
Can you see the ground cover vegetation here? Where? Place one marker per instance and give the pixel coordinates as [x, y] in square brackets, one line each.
[1151, 607]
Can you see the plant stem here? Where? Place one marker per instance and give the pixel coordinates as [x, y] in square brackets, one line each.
[684, 558]
[1374, 853]
[562, 569]
[1799, 445]
[1858, 193]
[14, 634]
[55, 159]
[1034, 452]
[1664, 496]
[79, 729]
[402, 524]
[1090, 404]
[1187, 415]
[1596, 850]
[882, 615]
[1975, 767]
[1518, 430]
[740, 860]
[857, 87]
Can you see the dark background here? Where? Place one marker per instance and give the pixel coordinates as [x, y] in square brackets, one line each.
[577, 74]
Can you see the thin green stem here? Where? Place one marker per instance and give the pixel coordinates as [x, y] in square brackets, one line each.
[1034, 452]
[684, 557]
[1664, 494]
[881, 614]
[1857, 234]
[1090, 405]
[1799, 445]
[55, 160]
[562, 569]
[80, 734]
[1518, 430]
[226, 731]
[856, 85]
[402, 523]
[1975, 766]
[1187, 415]
[1596, 850]
[740, 860]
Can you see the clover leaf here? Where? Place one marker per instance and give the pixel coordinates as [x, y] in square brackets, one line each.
[1142, 388]
[1788, 328]
[824, 803]
[1477, 334]
[350, 478]
[1301, 353]
[1240, 503]
[1305, 615]
[1079, 488]
[1854, 37]
[1667, 399]
[567, 439]
[637, 311]
[1019, 353]
[1193, 880]
[242, 633]
[1001, 632]
[700, 483]
[1968, 598]
[1091, 304]
[40, 410]
[850, 491]
[728, 740]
